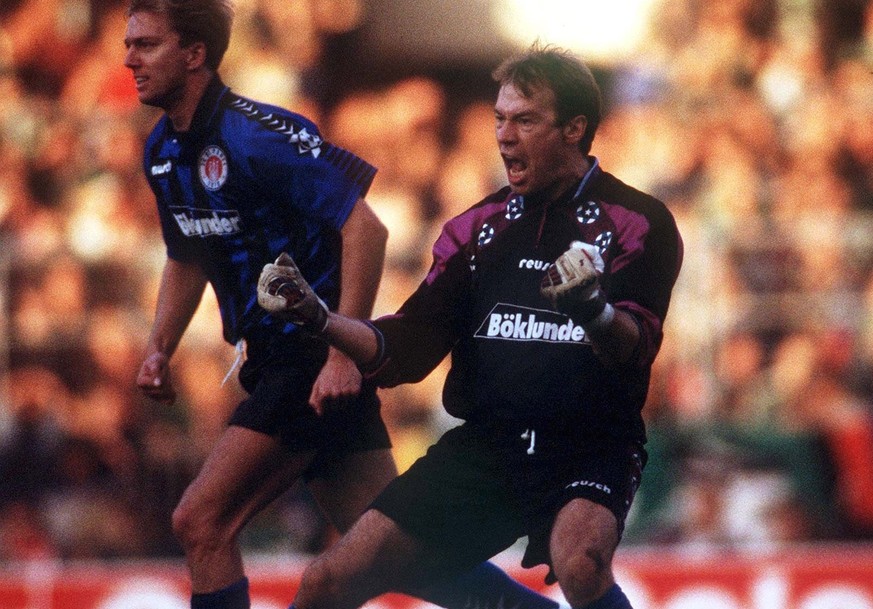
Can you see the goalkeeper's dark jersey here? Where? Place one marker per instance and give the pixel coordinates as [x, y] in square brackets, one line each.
[246, 182]
[514, 359]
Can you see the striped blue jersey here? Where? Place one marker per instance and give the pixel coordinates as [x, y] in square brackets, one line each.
[246, 182]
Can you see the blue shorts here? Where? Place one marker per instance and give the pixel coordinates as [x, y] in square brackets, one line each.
[478, 490]
[279, 378]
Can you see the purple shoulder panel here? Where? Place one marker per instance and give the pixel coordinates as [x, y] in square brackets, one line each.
[460, 233]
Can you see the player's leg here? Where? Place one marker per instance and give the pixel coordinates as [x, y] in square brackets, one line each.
[375, 556]
[582, 545]
[346, 487]
[355, 482]
[587, 529]
[244, 472]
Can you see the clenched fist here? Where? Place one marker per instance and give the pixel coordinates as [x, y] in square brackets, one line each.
[572, 283]
[283, 292]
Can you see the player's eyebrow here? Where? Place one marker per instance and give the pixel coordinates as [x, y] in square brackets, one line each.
[128, 42]
[524, 114]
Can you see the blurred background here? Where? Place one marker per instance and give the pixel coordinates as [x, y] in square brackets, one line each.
[751, 119]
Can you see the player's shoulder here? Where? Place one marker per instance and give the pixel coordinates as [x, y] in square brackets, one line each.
[265, 118]
[616, 192]
[156, 136]
[469, 223]
[257, 128]
[159, 129]
[489, 205]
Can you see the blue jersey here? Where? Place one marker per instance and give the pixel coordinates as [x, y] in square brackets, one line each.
[246, 182]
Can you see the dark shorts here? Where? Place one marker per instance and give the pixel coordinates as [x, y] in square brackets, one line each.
[279, 379]
[477, 490]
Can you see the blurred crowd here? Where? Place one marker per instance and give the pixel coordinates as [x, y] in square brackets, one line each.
[751, 119]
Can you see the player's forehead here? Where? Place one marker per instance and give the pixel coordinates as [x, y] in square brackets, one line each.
[512, 101]
[147, 24]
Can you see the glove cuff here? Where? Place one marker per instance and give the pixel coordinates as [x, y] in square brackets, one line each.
[584, 312]
[318, 325]
[602, 321]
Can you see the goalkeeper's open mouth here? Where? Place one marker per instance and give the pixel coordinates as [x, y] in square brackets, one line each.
[516, 169]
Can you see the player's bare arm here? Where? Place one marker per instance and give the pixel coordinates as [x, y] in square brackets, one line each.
[285, 293]
[364, 238]
[180, 292]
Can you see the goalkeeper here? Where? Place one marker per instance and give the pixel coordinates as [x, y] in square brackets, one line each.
[550, 296]
[236, 182]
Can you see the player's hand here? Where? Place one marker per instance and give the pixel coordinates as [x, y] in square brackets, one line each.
[338, 382]
[572, 283]
[154, 379]
[283, 292]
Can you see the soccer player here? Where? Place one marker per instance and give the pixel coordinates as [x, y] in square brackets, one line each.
[551, 296]
[237, 182]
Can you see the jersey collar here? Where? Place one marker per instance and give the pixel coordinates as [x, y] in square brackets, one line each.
[573, 194]
[206, 108]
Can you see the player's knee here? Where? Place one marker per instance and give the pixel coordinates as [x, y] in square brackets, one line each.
[184, 524]
[584, 577]
[194, 527]
[320, 587]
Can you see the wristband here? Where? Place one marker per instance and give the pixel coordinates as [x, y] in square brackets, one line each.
[601, 321]
[583, 312]
[379, 358]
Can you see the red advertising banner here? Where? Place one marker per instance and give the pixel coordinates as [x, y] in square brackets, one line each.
[802, 578]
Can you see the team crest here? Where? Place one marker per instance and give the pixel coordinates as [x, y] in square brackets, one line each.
[213, 167]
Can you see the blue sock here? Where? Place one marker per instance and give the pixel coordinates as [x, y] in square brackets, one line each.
[487, 587]
[235, 596]
[613, 599]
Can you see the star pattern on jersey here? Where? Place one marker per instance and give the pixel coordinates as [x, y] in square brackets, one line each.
[514, 208]
[485, 235]
[306, 142]
[603, 240]
[473, 263]
[588, 213]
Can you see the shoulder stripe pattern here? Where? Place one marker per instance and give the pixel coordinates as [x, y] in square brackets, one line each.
[355, 168]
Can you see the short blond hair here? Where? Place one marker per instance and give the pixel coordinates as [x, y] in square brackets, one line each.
[206, 21]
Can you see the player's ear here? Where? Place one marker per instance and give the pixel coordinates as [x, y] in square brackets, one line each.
[195, 55]
[574, 129]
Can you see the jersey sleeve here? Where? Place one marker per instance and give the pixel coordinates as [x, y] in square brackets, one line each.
[644, 283]
[321, 181]
[429, 323]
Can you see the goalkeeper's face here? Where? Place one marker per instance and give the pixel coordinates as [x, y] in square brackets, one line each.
[540, 154]
[156, 58]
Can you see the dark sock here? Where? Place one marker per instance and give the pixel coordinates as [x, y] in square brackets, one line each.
[234, 596]
[487, 587]
[613, 599]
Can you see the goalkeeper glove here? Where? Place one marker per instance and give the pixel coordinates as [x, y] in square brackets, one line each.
[284, 293]
[572, 284]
